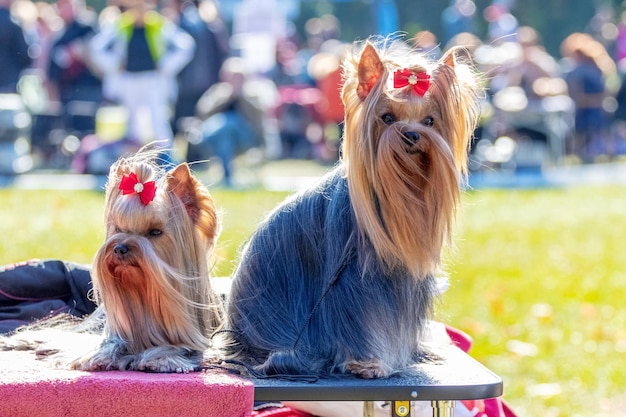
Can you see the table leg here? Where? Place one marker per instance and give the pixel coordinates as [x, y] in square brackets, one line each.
[368, 409]
[443, 408]
[400, 409]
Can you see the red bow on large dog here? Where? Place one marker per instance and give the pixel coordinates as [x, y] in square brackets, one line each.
[420, 80]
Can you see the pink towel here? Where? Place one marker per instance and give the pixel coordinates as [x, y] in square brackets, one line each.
[31, 388]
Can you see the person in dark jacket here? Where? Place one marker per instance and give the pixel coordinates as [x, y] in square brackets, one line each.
[70, 75]
[13, 50]
[200, 19]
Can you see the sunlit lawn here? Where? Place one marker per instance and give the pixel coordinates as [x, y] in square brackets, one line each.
[538, 279]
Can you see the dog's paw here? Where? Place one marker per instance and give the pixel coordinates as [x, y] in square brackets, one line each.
[165, 364]
[110, 355]
[90, 364]
[369, 369]
[167, 359]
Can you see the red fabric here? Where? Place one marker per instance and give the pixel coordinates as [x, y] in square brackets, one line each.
[331, 108]
[493, 407]
[461, 339]
[420, 81]
[280, 412]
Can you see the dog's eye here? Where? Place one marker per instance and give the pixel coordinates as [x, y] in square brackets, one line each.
[155, 232]
[388, 118]
[428, 121]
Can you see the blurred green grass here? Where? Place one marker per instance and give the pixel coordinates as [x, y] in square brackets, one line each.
[538, 278]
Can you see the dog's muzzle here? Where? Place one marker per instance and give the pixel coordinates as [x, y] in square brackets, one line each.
[411, 137]
[120, 249]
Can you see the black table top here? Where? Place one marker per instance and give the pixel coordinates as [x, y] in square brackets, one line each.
[456, 377]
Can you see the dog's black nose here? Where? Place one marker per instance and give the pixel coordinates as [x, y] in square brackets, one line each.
[120, 249]
[413, 137]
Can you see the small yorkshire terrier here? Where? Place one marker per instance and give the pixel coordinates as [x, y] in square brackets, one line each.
[340, 278]
[151, 276]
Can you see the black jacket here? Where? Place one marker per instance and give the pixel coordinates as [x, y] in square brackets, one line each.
[13, 52]
[37, 289]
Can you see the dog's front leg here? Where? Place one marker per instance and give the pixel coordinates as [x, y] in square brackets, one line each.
[110, 355]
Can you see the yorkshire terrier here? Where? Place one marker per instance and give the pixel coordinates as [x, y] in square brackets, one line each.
[151, 276]
[152, 273]
[340, 278]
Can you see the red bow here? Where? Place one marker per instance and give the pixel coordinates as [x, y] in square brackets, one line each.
[420, 80]
[130, 184]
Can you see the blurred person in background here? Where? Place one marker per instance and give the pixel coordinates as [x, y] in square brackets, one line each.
[294, 53]
[618, 126]
[458, 18]
[26, 14]
[530, 102]
[14, 58]
[325, 68]
[71, 79]
[201, 20]
[501, 23]
[587, 68]
[143, 52]
[47, 25]
[535, 64]
[427, 43]
[232, 119]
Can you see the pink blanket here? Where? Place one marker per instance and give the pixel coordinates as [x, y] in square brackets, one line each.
[30, 388]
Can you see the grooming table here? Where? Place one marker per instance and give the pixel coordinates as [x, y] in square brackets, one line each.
[31, 388]
[456, 377]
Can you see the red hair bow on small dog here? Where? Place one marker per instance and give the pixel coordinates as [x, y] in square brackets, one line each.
[420, 80]
[130, 184]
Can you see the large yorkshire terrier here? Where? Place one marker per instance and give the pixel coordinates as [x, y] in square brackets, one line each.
[341, 278]
[151, 276]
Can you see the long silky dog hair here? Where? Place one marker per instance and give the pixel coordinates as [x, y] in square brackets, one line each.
[340, 278]
[152, 273]
[156, 307]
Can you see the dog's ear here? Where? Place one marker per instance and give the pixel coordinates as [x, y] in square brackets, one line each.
[120, 168]
[117, 170]
[370, 70]
[460, 60]
[181, 183]
[455, 55]
[196, 199]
